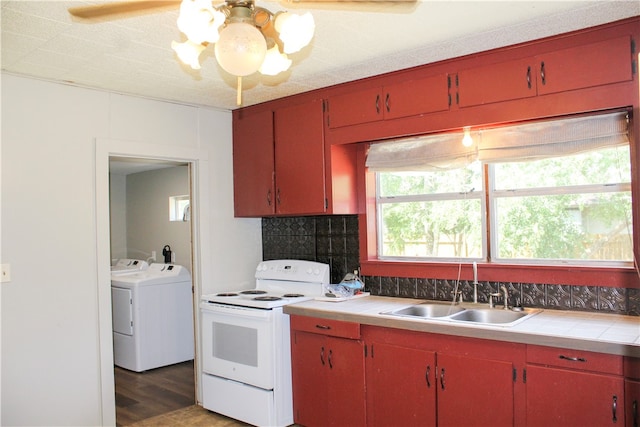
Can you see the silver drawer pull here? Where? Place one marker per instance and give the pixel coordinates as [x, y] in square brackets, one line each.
[572, 359]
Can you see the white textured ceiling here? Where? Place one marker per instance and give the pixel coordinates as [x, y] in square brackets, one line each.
[134, 55]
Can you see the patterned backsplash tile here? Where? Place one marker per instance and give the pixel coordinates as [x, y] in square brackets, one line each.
[334, 240]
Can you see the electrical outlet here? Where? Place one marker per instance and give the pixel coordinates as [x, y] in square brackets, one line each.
[5, 273]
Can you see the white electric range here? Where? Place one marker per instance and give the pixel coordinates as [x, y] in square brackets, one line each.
[245, 342]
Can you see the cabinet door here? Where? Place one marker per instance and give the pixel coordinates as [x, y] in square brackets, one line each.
[401, 387]
[300, 159]
[474, 392]
[573, 398]
[504, 81]
[346, 382]
[310, 388]
[585, 66]
[632, 401]
[415, 97]
[253, 167]
[355, 108]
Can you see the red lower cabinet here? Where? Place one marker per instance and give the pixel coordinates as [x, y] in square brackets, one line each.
[574, 388]
[632, 401]
[328, 373]
[401, 386]
[422, 379]
[632, 391]
[475, 392]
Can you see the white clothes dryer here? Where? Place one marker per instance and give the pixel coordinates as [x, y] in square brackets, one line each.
[152, 317]
[128, 266]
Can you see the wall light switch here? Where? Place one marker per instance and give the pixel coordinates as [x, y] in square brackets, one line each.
[5, 273]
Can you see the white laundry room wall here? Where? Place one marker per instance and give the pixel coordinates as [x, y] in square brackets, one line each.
[148, 223]
[54, 352]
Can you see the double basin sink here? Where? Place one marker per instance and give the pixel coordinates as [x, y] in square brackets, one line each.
[461, 313]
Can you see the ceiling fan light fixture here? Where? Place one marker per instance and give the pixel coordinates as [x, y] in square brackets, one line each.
[188, 53]
[274, 62]
[241, 49]
[199, 21]
[296, 31]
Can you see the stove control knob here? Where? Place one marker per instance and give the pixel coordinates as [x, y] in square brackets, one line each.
[309, 271]
[316, 271]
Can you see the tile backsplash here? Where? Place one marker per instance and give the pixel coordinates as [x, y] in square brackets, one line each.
[334, 240]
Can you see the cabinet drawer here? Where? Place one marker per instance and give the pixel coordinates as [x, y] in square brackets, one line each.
[575, 359]
[334, 328]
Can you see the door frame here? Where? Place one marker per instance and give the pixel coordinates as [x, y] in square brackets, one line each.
[199, 183]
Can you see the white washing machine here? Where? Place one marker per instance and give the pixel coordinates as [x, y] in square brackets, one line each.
[152, 317]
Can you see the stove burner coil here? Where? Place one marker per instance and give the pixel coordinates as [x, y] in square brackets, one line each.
[267, 298]
[293, 295]
[253, 292]
[227, 294]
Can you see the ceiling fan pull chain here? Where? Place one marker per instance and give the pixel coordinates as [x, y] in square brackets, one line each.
[239, 92]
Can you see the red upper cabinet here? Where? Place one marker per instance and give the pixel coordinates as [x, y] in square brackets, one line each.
[587, 65]
[281, 165]
[253, 169]
[594, 64]
[411, 97]
[503, 81]
[300, 159]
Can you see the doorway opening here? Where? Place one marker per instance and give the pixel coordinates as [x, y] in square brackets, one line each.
[144, 196]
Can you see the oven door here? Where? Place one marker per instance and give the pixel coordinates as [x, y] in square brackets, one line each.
[238, 343]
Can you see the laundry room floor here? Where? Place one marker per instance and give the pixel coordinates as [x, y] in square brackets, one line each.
[143, 395]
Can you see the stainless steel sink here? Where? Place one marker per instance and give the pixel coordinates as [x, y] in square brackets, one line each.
[464, 314]
[492, 316]
[427, 310]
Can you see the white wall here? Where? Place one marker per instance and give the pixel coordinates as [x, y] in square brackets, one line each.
[148, 225]
[51, 365]
[118, 215]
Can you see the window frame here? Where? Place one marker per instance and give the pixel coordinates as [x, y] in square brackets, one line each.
[493, 270]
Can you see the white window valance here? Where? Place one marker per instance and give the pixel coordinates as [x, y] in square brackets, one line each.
[528, 141]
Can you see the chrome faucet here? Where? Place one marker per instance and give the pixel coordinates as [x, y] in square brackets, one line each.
[491, 297]
[505, 297]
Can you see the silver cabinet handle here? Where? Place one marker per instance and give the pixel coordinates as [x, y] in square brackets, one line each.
[614, 409]
[426, 376]
[442, 378]
[572, 359]
[322, 355]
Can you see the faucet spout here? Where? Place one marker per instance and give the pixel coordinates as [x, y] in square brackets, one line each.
[505, 297]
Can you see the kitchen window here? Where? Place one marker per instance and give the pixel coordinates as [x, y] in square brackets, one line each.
[553, 192]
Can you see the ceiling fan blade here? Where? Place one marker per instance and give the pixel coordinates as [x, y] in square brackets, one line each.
[114, 10]
[386, 6]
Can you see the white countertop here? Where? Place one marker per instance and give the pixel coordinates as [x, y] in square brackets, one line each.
[599, 332]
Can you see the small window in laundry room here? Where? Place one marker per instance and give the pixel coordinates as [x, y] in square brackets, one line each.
[179, 208]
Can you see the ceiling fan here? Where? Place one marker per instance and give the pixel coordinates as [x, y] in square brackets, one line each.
[248, 38]
[113, 10]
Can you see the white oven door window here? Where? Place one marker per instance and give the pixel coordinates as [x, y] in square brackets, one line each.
[238, 344]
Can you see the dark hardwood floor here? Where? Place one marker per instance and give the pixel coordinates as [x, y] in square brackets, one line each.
[143, 395]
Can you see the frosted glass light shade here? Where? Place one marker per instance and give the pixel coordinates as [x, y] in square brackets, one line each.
[296, 31]
[274, 62]
[199, 21]
[241, 49]
[188, 52]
